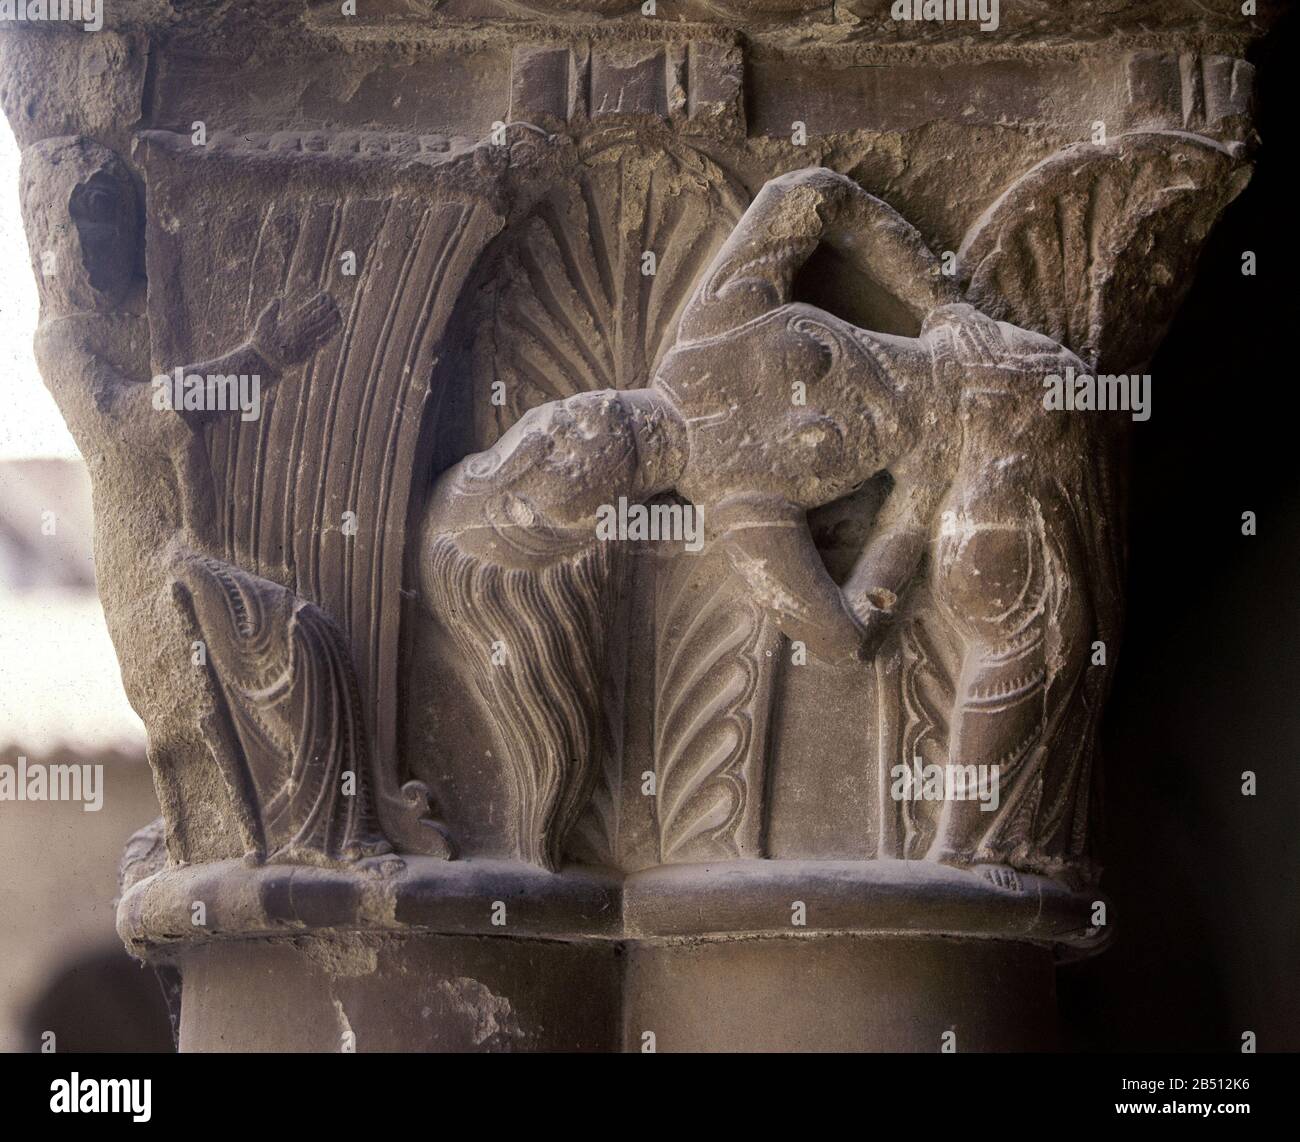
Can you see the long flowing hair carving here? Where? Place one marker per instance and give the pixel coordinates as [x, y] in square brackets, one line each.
[550, 625]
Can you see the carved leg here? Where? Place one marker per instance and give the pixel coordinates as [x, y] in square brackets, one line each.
[993, 586]
[997, 723]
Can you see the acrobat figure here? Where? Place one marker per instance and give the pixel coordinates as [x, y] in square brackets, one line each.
[763, 410]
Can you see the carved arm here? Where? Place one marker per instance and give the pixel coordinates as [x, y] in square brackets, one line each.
[274, 345]
[772, 549]
[901, 534]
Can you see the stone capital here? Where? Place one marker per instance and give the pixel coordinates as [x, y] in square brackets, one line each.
[612, 515]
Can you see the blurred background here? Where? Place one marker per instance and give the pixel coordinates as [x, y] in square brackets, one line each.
[62, 967]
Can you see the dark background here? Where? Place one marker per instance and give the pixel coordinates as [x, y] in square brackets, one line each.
[1205, 881]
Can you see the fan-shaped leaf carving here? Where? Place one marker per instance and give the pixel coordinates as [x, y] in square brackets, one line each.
[1095, 245]
[577, 305]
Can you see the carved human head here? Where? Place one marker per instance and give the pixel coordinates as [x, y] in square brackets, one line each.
[561, 461]
[79, 209]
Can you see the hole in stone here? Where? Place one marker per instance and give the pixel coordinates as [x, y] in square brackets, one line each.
[829, 281]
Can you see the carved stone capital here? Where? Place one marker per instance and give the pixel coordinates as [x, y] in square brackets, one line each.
[617, 506]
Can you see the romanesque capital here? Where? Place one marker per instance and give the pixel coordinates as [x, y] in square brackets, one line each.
[613, 515]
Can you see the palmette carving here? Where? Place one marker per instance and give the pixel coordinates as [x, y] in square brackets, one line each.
[1095, 246]
[714, 665]
[574, 306]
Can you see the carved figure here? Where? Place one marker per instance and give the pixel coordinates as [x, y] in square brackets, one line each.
[147, 464]
[764, 409]
[298, 754]
[315, 494]
[718, 425]
[509, 563]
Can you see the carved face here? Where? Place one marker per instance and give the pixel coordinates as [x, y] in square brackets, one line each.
[556, 464]
[79, 209]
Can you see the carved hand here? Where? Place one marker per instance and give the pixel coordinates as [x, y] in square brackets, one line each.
[283, 341]
[874, 621]
[771, 548]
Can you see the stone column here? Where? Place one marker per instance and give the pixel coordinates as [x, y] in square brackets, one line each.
[612, 514]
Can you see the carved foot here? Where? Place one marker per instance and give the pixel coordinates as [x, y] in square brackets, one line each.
[1001, 876]
[365, 849]
[352, 855]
